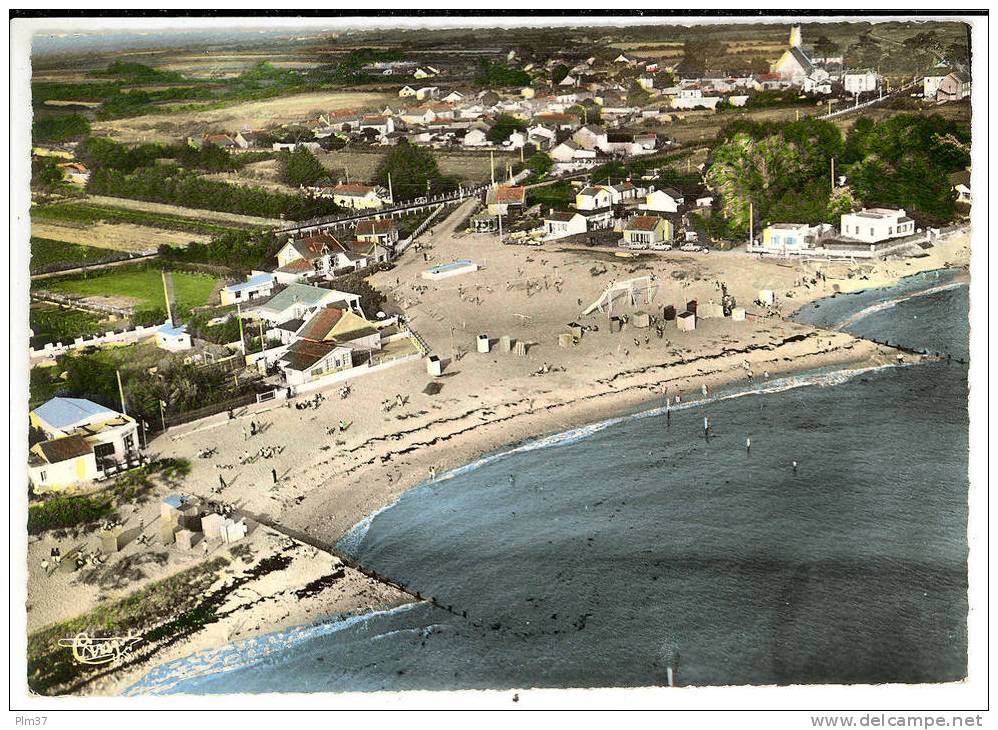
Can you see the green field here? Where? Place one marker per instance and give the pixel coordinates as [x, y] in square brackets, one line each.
[52, 323]
[142, 284]
[49, 255]
[85, 213]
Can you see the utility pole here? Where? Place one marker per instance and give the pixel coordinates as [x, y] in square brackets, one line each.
[239, 316]
[833, 174]
[391, 196]
[167, 291]
[121, 391]
[751, 231]
[492, 166]
[162, 415]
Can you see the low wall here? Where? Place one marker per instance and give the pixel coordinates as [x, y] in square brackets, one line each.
[53, 349]
[342, 375]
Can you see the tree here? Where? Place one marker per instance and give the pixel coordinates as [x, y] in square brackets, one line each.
[301, 167]
[45, 173]
[905, 160]
[504, 126]
[825, 48]
[59, 128]
[414, 172]
[865, 52]
[540, 163]
[558, 73]
[698, 52]
[637, 95]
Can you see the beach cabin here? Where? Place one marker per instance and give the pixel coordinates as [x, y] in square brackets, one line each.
[84, 441]
[258, 285]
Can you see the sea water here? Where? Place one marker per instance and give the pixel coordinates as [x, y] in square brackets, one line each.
[602, 556]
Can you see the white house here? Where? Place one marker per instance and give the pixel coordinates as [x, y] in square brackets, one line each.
[84, 441]
[590, 137]
[453, 97]
[561, 223]
[593, 198]
[666, 200]
[475, 138]
[356, 195]
[569, 150]
[872, 225]
[407, 91]
[859, 82]
[790, 238]
[173, 338]
[260, 284]
[299, 301]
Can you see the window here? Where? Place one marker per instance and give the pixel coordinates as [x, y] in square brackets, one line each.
[104, 455]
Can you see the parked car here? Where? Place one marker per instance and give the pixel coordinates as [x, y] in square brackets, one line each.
[693, 248]
[661, 246]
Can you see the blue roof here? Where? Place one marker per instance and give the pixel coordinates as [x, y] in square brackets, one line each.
[252, 281]
[174, 500]
[62, 412]
[173, 331]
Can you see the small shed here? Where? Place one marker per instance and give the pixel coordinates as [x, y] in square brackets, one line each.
[111, 540]
[686, 322]
[484, 344]
[710, 310]
[434, 366]
[669, 313]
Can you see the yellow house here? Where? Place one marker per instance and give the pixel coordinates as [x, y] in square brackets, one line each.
[84, 442]
[527, 92]
[647, 231]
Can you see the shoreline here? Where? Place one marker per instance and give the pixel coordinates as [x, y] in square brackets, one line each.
[445, 449]
[492, 404]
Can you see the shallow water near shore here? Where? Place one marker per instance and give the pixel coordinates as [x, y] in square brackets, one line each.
[601, 556]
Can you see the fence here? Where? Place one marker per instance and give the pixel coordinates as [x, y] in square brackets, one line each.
[53, 349]
[178, 419]
[76, 300]
[872, 102]
[411, 206]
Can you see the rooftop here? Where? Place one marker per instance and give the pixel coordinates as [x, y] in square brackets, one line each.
[303, 354]
[643, 223]
[64, 412]
[256, 280]
[309, 296]
[64, 449]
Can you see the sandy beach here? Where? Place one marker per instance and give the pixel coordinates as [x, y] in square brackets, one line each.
[328, 480]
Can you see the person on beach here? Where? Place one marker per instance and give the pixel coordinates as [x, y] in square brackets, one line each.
[433, 473]
[245, 437]
[706, 428]
[795, 467]
[221, 483]
[748, 445]
[512, 480]
[703, 389]
[273, 473]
